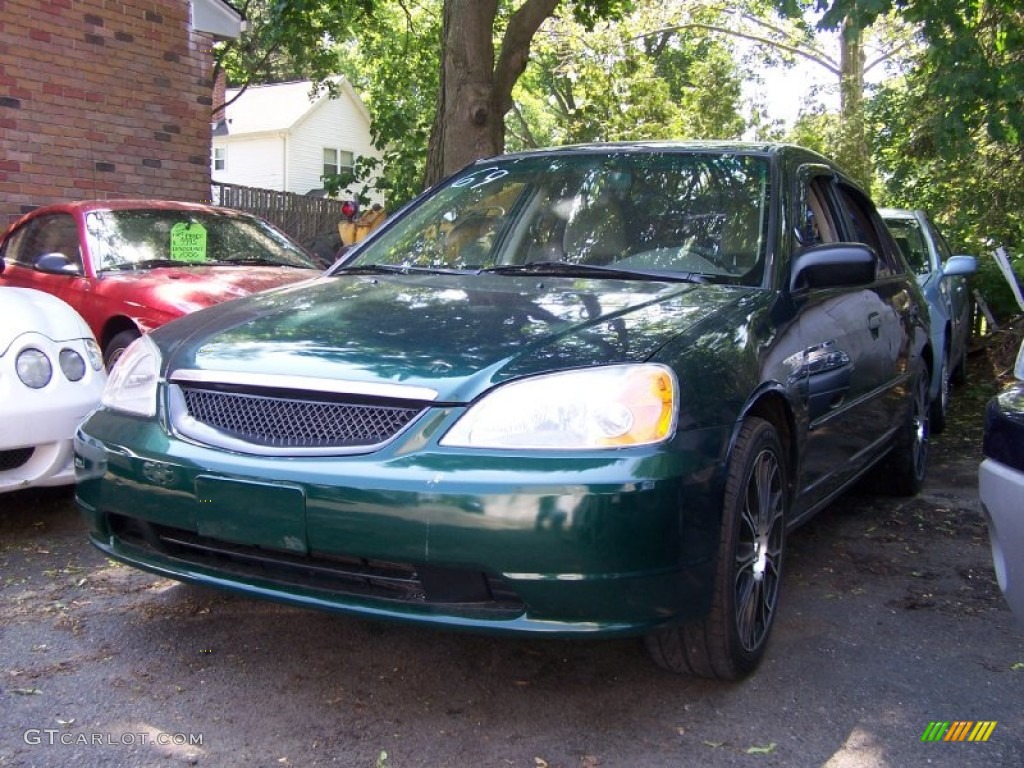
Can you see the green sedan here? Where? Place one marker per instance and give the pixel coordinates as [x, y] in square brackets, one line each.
[584, 392]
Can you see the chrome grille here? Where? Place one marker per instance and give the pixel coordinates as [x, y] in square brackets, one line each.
[294, 422]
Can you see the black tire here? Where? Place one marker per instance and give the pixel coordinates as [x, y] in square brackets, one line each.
[729, 642]
[905, 467]
[940, 405]
[960, 371]
[117, 345]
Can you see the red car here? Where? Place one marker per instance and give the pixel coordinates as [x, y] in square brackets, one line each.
[128, 266]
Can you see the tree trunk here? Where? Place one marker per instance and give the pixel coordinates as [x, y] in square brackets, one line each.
[468, 124]
[853, 145]
[476, 92]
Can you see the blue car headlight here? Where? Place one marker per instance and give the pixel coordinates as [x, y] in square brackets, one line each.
[609, 407]
[132, 384]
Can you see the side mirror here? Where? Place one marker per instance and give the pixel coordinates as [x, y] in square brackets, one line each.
[57, 264]
[833, 265]
[959, 265]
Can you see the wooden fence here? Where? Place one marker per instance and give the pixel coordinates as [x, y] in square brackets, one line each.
[306, 219]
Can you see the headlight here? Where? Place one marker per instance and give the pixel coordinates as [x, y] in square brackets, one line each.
[72, 364]
[95, 355]
[34, 368]
[607, 407]
[132, 384]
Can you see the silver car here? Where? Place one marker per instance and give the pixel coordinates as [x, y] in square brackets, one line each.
[943, 279]
[1001, 486]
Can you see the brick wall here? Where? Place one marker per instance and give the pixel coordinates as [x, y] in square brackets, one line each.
[102, 99]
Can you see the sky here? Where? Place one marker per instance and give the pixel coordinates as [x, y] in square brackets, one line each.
[785, 88]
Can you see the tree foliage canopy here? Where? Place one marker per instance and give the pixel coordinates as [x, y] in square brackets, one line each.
[289, 40]
[640, 77]
[975, 54]
[945, 135]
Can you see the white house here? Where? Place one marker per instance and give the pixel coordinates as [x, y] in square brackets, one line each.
[284, 137]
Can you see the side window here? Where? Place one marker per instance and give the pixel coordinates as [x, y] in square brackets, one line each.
[865, 226]
[817, 217]
[47, 234]
[338, 161]
[911, 241]
[945, 252]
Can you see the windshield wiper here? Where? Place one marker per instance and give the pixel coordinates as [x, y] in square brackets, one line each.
[262, 260]
[589, 270]
[145, 264]
[399, 269]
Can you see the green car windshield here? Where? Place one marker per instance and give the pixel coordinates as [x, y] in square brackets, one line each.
[141, 238]
[648, 213]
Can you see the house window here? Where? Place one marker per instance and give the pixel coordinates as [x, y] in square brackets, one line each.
[220, 158]
[338, 161]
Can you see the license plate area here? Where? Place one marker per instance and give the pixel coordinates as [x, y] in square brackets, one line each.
[257, 514]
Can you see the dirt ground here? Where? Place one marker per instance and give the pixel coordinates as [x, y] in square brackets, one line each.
[891, 619]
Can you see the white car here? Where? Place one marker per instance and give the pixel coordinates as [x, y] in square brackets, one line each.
[51, 377]
[1001, 486]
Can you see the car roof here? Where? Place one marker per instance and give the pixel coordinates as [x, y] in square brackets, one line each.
[127, 204]
[900, 213]
[766, 148]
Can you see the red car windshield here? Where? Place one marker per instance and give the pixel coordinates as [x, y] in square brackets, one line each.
[138, 239]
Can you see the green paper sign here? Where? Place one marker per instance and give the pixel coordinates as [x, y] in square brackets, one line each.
[188, 242]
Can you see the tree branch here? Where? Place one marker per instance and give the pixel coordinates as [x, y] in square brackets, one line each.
[886, 56]
[515, 48]
[526, 136]
[818, 57]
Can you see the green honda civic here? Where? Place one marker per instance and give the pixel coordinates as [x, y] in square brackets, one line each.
[584, 391]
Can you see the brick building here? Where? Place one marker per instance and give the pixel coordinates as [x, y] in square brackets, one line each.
[106, 99]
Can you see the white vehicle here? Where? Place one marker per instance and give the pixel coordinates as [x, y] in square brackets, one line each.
[1001, 486]
[51, 377]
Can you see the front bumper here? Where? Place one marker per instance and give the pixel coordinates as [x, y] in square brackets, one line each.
[36, 437]
[1001, 489]
[45, 465]
[602, 544]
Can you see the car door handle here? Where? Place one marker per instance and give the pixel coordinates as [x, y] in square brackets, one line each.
[874, 324]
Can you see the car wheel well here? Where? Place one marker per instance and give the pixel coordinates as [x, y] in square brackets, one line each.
[772, 407]
[115, 326]
[928, 355]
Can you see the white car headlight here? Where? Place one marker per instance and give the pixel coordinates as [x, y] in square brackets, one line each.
[72, 364]
[132, 384]
[607, 407]
[34, 368]
[95, 355]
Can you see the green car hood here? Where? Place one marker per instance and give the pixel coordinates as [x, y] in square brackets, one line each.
[455, 334]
